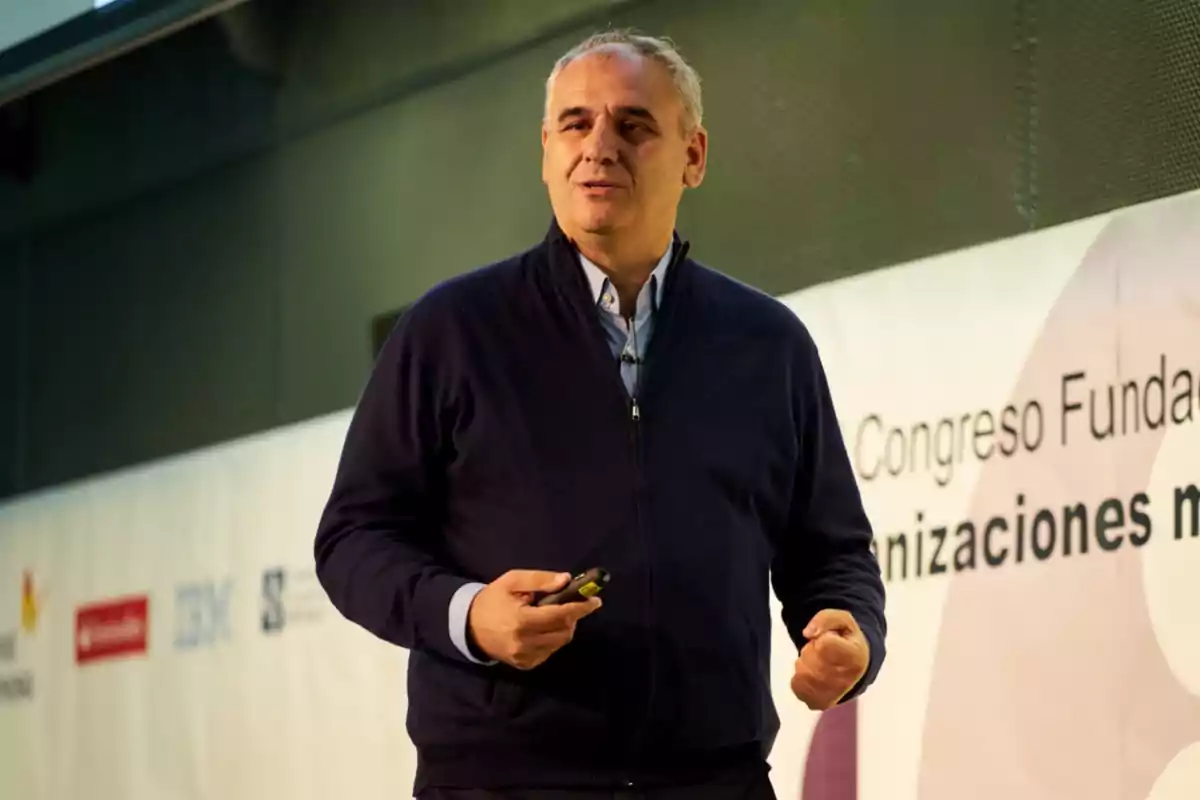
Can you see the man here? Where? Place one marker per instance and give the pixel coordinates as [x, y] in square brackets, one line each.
[602, 400]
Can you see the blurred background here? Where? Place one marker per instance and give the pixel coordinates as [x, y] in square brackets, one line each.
[208, 208]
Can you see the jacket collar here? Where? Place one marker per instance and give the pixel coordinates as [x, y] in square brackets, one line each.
[566, 265]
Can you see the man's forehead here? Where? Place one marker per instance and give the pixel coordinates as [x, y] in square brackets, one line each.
[615, 74]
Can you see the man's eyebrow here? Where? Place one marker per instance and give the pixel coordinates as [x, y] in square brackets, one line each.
[637, 111]
[573, 111]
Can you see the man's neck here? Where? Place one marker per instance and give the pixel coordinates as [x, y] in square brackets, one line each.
[628, 264]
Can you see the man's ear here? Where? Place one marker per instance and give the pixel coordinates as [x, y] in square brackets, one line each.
[545, 136]
[697, 162]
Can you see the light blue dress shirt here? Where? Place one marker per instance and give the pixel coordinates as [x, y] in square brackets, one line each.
[625, 338]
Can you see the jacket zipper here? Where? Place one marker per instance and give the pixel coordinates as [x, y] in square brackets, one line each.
[637, 740]
[635, 415]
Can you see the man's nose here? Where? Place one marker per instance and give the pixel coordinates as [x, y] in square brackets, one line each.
[601, 144]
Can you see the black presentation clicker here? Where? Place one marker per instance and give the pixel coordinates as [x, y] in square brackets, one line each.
[582, 586]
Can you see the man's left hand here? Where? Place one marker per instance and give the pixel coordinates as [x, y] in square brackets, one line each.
[832, 662]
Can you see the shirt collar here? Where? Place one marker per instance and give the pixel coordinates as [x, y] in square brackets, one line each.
[601, 284]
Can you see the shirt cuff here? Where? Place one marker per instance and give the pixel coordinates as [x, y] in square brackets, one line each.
[460, 606]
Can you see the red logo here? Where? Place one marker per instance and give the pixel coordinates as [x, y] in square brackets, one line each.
[112, 628]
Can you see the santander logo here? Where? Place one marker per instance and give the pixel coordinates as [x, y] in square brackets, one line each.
[112, 628]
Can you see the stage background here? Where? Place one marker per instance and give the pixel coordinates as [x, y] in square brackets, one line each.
[1020, 665]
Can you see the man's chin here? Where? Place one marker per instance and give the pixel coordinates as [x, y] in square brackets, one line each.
[601, 225]
[599, 229]
[595, 221]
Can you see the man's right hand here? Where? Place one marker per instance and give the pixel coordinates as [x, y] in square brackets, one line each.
[506, 626]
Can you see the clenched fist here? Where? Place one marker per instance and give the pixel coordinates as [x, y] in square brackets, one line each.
[504, 624]
[832, 662]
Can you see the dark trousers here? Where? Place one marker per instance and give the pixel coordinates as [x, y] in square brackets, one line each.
[744, 784]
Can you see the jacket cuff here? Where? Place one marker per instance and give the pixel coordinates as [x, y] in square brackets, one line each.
[875, 661]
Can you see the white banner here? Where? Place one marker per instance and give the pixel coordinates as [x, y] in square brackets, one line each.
[1022, 416]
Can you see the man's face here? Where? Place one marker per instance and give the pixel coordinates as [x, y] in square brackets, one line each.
[615, 157]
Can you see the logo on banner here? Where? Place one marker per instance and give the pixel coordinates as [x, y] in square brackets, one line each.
[290, 596]
[14, 686]
[273, 613]
[112, 629]
[18, 685]
[202, 614]
[30, 604]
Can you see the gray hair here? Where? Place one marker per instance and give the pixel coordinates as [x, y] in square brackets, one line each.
[662, 50]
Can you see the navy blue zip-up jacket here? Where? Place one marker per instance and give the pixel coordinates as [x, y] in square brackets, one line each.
[495, 433]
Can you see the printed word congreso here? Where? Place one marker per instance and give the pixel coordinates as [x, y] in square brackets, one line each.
[882, 448]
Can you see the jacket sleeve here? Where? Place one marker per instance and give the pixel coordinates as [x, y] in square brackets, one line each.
[826, 559]
[379, 549]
